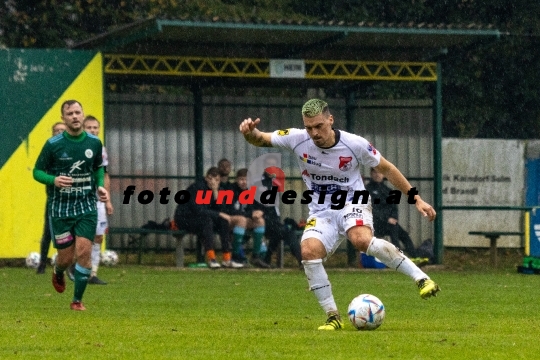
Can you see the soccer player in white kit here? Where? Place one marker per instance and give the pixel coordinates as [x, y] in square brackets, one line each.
[92, 126]
[329, 160]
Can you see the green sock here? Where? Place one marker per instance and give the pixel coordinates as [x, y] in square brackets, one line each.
[58, 270]
[238, 233]
[81, 280]
[258, 234]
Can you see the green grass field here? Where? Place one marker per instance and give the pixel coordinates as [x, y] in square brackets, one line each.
[165, 313]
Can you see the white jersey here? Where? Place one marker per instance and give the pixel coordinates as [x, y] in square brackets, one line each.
[103, 223]
[328, 170]
[104, 163]
[104, 156]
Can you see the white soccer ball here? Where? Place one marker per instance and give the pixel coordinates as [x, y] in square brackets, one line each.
[366, 312]
[33, 259]
[53, 259]
[109, 258]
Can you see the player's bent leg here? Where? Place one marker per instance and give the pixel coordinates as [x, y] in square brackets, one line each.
[63, 260]
[333, 322]
[395, 259]
[58, 280]
[83, 249]
[428, 288]
[81, 280]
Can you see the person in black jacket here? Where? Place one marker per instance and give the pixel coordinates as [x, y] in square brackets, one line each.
[254, 216]
[276, 230]
[385, 216]
[204, 219]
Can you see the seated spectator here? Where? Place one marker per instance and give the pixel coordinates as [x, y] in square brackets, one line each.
[204, 220]
[385, 216]
[224, 167]
[255, 221]
[275, 229]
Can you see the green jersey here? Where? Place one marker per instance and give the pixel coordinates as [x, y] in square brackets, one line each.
[78, 157]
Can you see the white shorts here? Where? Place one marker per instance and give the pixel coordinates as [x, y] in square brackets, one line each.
[102, 223]
[328, 225]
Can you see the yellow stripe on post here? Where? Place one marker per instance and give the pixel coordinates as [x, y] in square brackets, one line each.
[23, 198]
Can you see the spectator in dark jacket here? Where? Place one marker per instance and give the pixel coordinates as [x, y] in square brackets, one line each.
[255, 221]
[385, 216]
[205, 219]
[276, 230]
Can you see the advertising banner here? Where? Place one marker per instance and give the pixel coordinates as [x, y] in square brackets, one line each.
[482, 172]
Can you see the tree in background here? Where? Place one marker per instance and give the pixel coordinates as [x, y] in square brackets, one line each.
[489, 90]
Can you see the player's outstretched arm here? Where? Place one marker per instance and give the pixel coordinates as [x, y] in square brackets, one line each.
[425, 209]
[396, 178]
[254, 136]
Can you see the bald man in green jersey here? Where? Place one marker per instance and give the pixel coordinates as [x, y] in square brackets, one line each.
[70, 164]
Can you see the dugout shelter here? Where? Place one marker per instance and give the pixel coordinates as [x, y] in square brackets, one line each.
[234, 56]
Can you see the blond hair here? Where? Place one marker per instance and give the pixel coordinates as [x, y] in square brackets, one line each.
[314, 107]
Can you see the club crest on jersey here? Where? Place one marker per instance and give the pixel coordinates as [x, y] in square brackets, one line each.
[345, 163]
[89, 153]
[283, 132]
[372, 149]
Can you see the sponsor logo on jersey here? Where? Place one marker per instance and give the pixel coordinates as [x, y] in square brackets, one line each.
[76, 166]
[82, 179]
[310, 223]
[345, 163]
[283, 132]
[327, 188]
[310, 160]
[305, 173]
[316, 177]
[75, 189]
[89, 153]
[353, 216]
[372, 149]
[65, 156]
[63, 238]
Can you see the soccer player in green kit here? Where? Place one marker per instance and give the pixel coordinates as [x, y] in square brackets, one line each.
[70, 164]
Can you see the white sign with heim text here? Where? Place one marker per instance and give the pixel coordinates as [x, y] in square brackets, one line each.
[287, 68]
[482, 172]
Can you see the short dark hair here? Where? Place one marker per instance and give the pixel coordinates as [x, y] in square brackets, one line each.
[91, 118]
[68, 103]
[222, 161]
[242, 173]
[212, 172]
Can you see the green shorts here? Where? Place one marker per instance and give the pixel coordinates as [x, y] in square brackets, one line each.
[65, 229]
